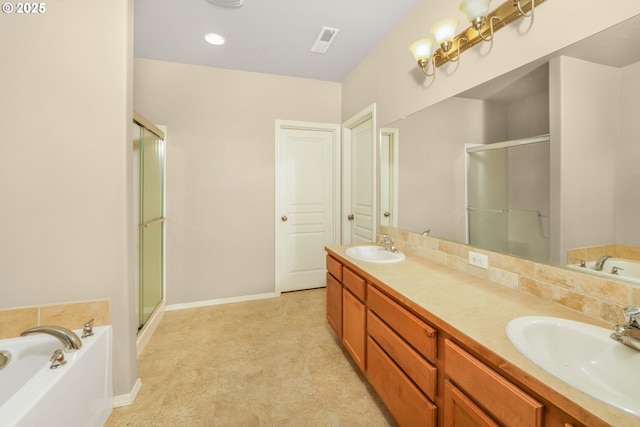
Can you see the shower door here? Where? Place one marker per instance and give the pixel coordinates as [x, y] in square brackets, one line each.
[508, 197]
[151, 223]
[487, 196]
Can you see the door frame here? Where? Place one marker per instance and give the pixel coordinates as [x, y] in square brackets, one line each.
[347, 126]
[393, 172]
[298, 125]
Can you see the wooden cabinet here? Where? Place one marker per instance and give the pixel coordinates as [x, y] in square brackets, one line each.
[405, 401]
[401, 349]
[334, 295]
[346, 310]
[460, 411]
[354, 327]
[334, 304]
[482, 395]
[424, 375]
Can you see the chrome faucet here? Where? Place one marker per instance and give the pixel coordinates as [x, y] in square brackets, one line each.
[385, 240]
[629, 334]
[70, 341]
[600, 262]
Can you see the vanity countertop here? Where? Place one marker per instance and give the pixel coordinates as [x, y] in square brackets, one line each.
[476, 311]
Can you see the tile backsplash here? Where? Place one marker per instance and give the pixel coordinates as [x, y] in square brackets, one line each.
[594, 296]
[71, 315]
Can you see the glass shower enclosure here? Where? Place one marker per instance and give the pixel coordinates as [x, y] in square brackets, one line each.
[149, 154]
[508, 195]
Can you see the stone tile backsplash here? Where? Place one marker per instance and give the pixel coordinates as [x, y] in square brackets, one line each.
[69, 315]
[593, 296]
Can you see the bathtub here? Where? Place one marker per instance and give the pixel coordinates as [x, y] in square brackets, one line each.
[78, 393]
[630, 269]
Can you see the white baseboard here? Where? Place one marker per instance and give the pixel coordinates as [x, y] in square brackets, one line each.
[220, 301]
[127, 399]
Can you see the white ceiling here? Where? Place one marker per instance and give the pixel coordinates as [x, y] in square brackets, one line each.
[266, 36]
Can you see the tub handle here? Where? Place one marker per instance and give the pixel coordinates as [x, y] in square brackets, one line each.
[57, 359]
[87, 329]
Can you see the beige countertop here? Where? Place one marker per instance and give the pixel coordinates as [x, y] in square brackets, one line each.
[472, 308]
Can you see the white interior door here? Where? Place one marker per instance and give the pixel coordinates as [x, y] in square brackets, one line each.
[307, 202]
[359, 178]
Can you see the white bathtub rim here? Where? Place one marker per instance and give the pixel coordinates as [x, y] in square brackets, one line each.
[45, 379]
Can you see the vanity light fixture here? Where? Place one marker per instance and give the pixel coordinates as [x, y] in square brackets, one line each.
[482, 22]
[476, 12]
[421, 50]
[445, 33]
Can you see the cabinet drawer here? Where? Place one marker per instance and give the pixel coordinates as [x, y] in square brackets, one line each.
[505, 402]
[421, 336]
[354, 283]
[414, 365]
[459, 410]
[403, 399]
[334, 267]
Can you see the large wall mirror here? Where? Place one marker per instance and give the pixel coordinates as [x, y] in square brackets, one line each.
[564, 151]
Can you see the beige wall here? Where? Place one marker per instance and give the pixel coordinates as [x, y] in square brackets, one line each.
[390, 77]
[221, 168]
[65, 111]
[628, 172]
[585, 129]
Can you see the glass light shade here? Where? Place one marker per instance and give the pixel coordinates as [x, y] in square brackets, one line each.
[445, 30]
[421, 49]
[475, 8]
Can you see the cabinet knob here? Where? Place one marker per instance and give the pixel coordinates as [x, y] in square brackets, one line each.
[284, 218]
[350, 217]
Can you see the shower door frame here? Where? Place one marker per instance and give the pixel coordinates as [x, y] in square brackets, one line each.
[146, 329]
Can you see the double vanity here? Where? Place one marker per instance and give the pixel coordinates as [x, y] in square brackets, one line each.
[445, 348]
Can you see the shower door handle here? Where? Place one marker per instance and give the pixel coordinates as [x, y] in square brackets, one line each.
[152, 222]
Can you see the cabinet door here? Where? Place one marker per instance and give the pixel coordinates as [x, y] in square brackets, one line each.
[354, 326]
[334, 304]
[460, 411]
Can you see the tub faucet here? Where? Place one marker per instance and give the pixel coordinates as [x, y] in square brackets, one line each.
[67, 337]
[629, 333]
[600, 262]
[386, 241]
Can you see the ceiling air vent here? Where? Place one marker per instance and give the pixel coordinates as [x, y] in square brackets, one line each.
[227, 3]
[325, 38]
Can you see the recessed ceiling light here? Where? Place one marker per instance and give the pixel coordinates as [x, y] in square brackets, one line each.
[214, 39]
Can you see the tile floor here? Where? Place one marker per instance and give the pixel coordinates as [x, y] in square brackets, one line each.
[272, 362]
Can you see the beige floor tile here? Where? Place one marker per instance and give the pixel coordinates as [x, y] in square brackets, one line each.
[272, 362]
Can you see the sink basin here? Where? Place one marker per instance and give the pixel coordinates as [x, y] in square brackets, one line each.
[372, 253]
[583, 356]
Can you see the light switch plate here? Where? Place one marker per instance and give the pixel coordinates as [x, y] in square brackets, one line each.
[479, 260]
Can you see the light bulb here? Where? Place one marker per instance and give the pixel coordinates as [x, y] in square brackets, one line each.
[474, 9]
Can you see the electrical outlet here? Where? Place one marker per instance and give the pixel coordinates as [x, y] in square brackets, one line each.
[479, 260]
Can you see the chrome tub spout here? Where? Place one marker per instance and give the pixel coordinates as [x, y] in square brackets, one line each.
[70, 341]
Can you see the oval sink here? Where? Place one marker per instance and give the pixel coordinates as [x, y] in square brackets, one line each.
[583, 356]
[372, 253]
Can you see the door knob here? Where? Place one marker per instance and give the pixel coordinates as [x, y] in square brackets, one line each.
[386, 214]
[284, 218]
[350, 217]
